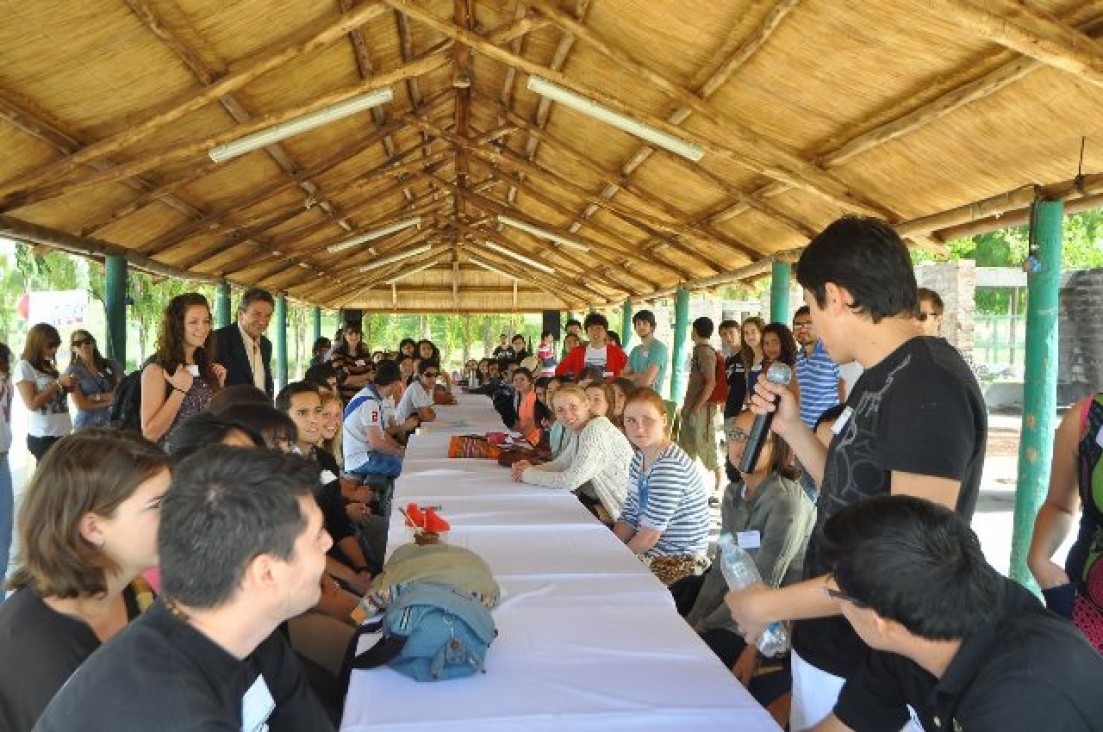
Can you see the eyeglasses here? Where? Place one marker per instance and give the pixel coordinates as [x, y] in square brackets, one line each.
[924, 315]
[798, 326]
[840, 595]
[83, 342]
[736, 434]
[431, 374]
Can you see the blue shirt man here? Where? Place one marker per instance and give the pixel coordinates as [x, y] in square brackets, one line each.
[648, 361]
[817, 374]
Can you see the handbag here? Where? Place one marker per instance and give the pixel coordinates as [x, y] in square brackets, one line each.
[472, 446]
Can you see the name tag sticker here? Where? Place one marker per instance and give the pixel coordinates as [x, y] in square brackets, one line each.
[328, 477]
[360, 362]
[840, 423]
[748, 540]
[256, 707]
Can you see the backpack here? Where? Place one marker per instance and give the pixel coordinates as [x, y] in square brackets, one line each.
[126, 406]
[431, 632]
[720, 388]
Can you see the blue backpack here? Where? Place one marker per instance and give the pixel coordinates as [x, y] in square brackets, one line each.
[431, 632]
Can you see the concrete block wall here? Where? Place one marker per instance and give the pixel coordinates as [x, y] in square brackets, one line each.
[1080, 335]
[956, 283]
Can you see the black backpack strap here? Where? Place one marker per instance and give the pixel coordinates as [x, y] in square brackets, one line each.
[382, 653]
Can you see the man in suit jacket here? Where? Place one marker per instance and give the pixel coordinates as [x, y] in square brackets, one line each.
[242, 347]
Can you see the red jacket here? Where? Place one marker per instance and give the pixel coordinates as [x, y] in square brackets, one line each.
[615, 361]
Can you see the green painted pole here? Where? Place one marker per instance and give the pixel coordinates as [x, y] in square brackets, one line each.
[626, 325]
[681, 334]
[779, 292]
[281, 342]
[115, 307]
[222, 305]
[1040, 383]
[316, 320]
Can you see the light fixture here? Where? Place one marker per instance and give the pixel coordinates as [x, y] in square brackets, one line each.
[298, 125]
[490, 268]
[398, 257]
[374, 234]
[414, 271]
[665, 140]
[542, 233]
[519, 257]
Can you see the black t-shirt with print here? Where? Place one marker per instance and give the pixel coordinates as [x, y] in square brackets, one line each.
[737, 384]
[918, 411]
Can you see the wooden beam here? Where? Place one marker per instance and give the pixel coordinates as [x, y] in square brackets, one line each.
[1012, 219]
[1032, 34]
[14, 228]
[24, 193]
[264, 62]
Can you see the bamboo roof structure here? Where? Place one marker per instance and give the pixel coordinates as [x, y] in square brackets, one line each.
[940, 116]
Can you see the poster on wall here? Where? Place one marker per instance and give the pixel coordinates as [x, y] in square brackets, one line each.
[63, 309]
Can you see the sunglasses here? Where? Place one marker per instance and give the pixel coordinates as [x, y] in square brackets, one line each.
[840, 595]
[431, 374]
[83, 342]
[924, 315]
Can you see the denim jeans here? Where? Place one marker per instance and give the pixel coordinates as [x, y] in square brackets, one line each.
[6, 508]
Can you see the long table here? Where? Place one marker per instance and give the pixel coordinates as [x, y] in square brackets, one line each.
[588, 639]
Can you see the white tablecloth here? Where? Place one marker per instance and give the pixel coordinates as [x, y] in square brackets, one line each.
[588, 638]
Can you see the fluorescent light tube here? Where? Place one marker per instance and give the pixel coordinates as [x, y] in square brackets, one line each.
[490, 268]
[542, 233]
[404, 275]
[657, 137]
[519, 257]
[296, 126]
[392, 258]
[374, 234]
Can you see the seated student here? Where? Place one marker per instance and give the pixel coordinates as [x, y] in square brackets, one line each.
[955, 644]
[530, 412]
[320, 350]
[520, 348]
[601, 459]
[492, 381]
[590, 375]
[324, 375]
[666, 515]
[242, 549]
[236, 394]
[368, 449]
[88, 528]
[418, 399]
[599, 352]
[766, 507]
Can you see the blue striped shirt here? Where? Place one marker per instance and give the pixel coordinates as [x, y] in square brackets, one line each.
[676, 504]
[819, 383]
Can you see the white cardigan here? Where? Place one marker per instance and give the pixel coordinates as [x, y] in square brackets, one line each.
[602, 458]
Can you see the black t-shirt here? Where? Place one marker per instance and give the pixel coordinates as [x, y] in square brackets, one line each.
[160, 673]
[39, 649]
[1025, 670]
[737, 384]
[331, 500]
[918, 411]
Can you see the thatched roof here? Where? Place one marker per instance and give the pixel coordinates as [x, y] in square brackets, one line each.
[804, 110]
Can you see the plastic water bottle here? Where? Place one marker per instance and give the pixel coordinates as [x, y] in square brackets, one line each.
[740, 572]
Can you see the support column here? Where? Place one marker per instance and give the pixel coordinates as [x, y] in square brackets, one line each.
[626, 325]
[1040, 382]
[779, 292]
[316, 321]
[222, 305]
[115, 271]
[281, 342]
[678, 351]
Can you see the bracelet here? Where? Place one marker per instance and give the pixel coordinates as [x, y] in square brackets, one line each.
[177, 388]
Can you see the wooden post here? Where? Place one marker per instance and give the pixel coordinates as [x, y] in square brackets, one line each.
[1040, 383]
[779, 292]
[681, 333]
[281, 342]
[115, 307]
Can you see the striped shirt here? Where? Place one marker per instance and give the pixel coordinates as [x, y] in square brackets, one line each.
[819, 383]
[676, 503]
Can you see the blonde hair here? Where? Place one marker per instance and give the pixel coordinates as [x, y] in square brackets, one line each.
[333, 447]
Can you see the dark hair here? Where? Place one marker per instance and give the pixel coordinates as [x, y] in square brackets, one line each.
[227, 506]
[426, 364]
[915, 562]
[703, 327]
[39, 338]
[204, 429]
[5, 359]
[545, 333]
[407, 342]
[101, 364]
[343, 346]
[320, 374]
[255, 294]
[729, 324]
[265, 420]
[170, 339]
[593, 373]
[524, 372]
[235, 394]
[595, 319]
[782, 461]
[645, 316]
[788, 342]
[613, 336]
[283, 399]
[320, 343]
[802, 310]
[571, 322]
[518, 335]
[926, 293]
[91, 471]
[387, 372]
[435, 354]
[868, 258]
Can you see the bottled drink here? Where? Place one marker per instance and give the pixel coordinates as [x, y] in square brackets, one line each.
[740, 572]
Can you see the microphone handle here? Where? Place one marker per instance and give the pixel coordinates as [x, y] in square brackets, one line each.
[760, 431]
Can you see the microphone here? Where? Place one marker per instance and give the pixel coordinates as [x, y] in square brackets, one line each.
[778, 373]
